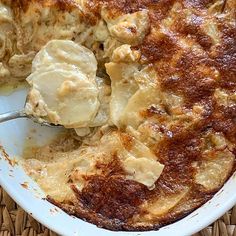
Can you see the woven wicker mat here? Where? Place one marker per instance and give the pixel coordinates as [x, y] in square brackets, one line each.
[15, 222]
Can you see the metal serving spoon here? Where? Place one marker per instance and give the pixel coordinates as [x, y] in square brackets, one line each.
[12, 115]
[22, 114]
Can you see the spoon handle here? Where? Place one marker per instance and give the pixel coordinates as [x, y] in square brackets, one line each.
[21, 114]
[12, 115]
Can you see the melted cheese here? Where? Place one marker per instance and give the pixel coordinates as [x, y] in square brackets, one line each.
[138, 161]
[41, 23]
[124, 53]
[53, 176]
[129, 28]
[71, 167]
[20, 65]
[210, 28]
[101, 31]
[213, 172]
[162, 205]
[49, 175]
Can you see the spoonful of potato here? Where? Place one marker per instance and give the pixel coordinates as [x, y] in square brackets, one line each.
[63, 89]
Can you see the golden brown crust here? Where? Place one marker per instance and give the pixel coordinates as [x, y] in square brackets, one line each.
[193, 74]
[63, 5]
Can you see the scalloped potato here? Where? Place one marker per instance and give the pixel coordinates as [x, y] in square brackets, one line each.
[146, 91]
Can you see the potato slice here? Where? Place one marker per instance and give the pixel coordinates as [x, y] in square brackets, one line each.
[213, 171]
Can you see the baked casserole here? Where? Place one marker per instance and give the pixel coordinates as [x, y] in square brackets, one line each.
[146, 91]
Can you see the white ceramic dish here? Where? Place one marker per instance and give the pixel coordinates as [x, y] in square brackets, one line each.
[12, 138]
